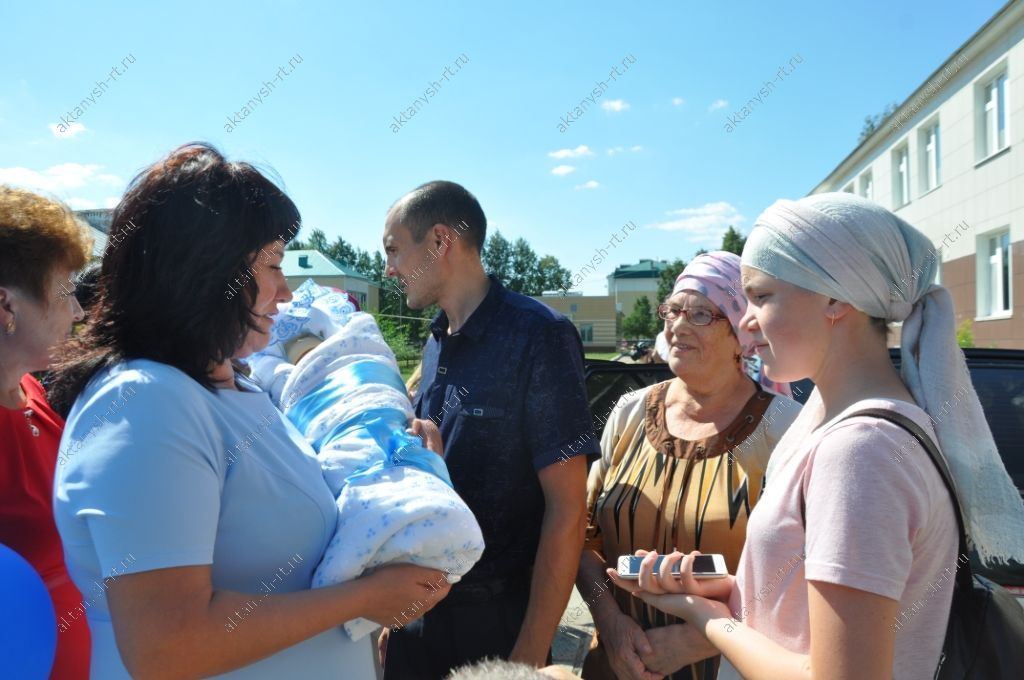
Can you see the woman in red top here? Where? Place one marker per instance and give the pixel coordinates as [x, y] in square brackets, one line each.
[41, 246]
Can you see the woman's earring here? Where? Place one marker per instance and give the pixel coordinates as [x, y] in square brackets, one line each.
[833, 321]
[9, 329]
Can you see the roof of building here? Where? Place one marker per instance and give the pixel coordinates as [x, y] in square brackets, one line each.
[644, 269]
[314, 263]
[99, 219]
[1007, 15]
[99, 241]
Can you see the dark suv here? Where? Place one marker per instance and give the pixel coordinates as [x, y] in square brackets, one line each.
[997, 376]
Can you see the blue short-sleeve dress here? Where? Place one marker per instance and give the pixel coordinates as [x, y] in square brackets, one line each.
[155, 471]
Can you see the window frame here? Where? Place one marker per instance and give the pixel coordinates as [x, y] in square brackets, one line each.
[990, 113]
[869, 185]
[923, 155]
[987, 279]
[901, 189]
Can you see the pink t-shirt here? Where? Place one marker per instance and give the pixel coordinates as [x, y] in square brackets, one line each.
[879, 519]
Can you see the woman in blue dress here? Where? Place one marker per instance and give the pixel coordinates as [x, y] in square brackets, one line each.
[192, 513]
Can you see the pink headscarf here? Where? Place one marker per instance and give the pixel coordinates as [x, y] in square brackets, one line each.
[716, 276]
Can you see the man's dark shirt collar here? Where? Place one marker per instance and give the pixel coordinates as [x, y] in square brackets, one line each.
[481, 317]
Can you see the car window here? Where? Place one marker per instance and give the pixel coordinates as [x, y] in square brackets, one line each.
[1001, 392]
[608, 381]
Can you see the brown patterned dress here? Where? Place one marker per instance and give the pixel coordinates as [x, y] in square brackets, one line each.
[654, 491]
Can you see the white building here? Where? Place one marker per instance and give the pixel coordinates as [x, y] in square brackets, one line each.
[950, 161]
[630, 282]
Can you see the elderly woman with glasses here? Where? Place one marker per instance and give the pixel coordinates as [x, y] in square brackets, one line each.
[683, 463]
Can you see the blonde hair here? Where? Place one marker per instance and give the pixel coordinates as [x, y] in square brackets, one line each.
[38, 234]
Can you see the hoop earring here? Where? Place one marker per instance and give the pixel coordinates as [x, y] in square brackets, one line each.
[9, 329]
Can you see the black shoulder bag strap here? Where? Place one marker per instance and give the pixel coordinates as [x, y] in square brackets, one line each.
[964, 575]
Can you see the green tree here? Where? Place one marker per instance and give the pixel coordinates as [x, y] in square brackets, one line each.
[640, 324]
[965, 333]
[497, 257]
[376, 269]
[397, 339]
[667, 278]
[552, 275]
[341, 251]
[317, 241]
[364, 264]
[523, 270]
[733, 241]
[871, 123]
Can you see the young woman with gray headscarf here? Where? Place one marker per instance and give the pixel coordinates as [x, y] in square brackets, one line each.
[847, 569]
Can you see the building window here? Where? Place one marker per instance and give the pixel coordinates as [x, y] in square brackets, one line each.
[572, 308]
[900, 177]
[991, 99]
[931, 158]
[587, 332]
[867, 186]
[994, 274]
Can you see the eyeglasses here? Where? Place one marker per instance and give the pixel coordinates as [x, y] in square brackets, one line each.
[697, 316]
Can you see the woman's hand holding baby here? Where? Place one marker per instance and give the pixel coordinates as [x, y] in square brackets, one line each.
[401, 593]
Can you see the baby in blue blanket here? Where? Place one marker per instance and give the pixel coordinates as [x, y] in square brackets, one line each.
[346, 396]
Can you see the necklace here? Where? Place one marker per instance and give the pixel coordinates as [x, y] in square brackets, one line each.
[28, 419]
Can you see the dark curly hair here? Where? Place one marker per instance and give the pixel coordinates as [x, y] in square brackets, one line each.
[186, 227]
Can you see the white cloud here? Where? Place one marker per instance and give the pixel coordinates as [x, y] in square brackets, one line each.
[581, 150]
[82, 203]
[562, 170]
[707, 222]
[678, 101]
[636, 148]
[69, 131]
[718, 104]
[616, 105]
[111, 201]
[110, 180]
[589, 184]
[61, 180]
[621, 149]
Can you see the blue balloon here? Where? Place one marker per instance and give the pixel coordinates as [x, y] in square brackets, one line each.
[28, 625]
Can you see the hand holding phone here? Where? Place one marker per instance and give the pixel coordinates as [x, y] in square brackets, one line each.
[704, 566]
[652, 573]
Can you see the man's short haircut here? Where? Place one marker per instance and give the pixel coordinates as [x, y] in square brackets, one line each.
[441, 202]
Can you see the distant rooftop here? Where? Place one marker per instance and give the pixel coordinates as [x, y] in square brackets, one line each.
[99, 242]
[98, 219]
[644, 269]
[314, 263]
[99, 227]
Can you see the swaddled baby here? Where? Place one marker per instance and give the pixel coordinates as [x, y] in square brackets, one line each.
[346, 396]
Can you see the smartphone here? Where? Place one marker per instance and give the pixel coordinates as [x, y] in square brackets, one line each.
[704, 566]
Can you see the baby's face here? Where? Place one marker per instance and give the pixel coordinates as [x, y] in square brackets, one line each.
[300, 347]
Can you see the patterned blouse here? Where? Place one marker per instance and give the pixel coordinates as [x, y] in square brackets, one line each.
[654, 491]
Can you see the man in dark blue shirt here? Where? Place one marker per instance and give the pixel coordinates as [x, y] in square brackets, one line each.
[503, 380]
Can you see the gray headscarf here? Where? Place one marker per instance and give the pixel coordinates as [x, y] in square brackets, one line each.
[853, 250]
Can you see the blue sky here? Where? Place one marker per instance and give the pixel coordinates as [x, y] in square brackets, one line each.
[652, 149]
